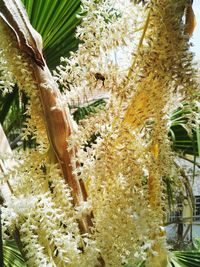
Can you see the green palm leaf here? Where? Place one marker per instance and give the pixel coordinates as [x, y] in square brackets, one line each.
[180, 259]
[184, 139]
[56, 21]
[186, 258]
[5, 103]
[12, 255]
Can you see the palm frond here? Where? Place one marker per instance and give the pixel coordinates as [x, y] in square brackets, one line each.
[12, 255]
[184, 138]
[56, 21]
[186, 258]
[180, 259]
[80, 112]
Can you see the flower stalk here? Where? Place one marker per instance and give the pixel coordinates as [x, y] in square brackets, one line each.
[56, 116]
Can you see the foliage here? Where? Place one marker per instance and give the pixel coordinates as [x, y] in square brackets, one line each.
[83, 111]
[56, 21]
[185, 137]
[196, 243]
[12, 255]
[187, 258]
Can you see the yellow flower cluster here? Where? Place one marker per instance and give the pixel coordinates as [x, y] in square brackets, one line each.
[124, 169]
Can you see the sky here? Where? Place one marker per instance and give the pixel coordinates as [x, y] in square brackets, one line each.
[196, 35]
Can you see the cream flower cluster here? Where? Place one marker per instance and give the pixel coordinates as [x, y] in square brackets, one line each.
[6, 77]
[20, 67]
[123, 169]
[42, 209]
[106, 25]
